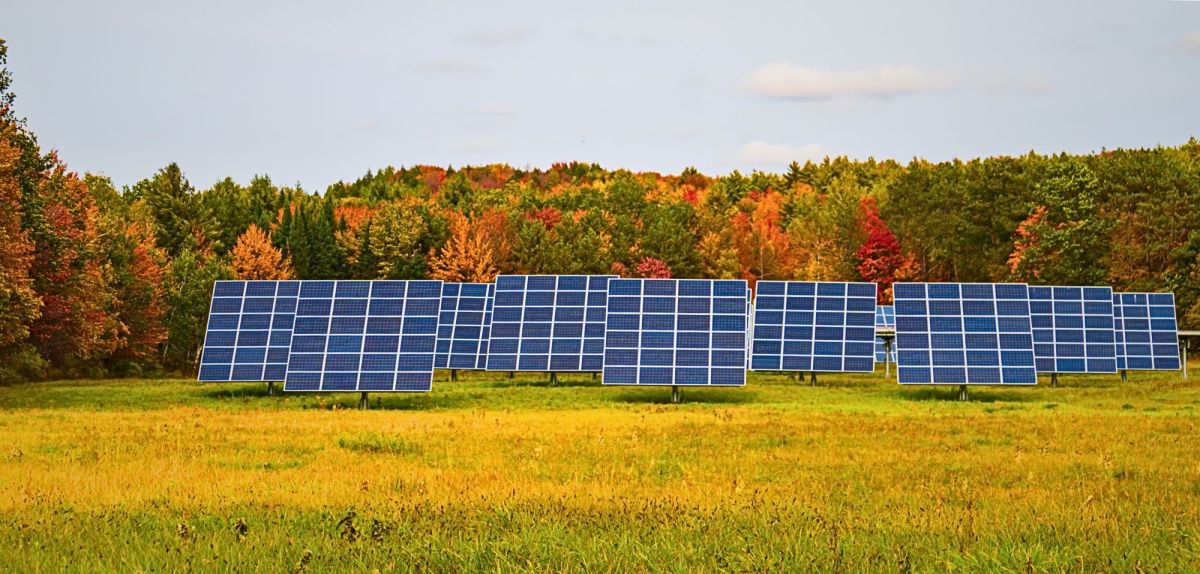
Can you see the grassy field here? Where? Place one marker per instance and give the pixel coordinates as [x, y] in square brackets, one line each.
[497, 474]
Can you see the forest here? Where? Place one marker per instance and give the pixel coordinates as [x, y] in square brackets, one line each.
[97, 280]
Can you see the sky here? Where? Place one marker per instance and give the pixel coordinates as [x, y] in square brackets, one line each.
[317, 92]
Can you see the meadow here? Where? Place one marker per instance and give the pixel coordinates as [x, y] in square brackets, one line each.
[498, 474]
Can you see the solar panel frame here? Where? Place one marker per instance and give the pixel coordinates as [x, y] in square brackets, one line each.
[249, 331]
[1146, 332]
[964, 334]
[548, 323]
[463, 326]
[814, 326]
[885, 317]
[686, 332]
[364, 336]
[1073, 329]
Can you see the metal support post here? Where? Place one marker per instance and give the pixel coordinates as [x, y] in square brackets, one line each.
[962, 393]
[676, 394]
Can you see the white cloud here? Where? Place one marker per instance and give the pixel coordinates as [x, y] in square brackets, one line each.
[1191, 43]
[499, 36]
[493, 110]
[787, 80]
[449, 67]
[769, 154]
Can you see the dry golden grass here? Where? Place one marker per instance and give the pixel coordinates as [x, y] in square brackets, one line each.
[504, 475]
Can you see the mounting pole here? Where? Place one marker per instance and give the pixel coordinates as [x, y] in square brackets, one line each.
[962, 393]
[1124, 376]
[813, 380]
[363, 402]
[1054, 379]
[887, 359]
[553, 378]
[676, 394]
[453, 375]
[512, 374]
[271, 387]
[1186, 344]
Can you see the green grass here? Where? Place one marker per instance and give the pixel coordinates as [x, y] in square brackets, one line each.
[498, 474]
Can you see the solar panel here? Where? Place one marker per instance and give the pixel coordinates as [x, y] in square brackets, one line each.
[885, 317]
[676, 332]
[814, 326]
[249, 331]
[964, 334]
[1073, 329]
[749, 321]
[1147, 336]
[364, 336]
[463, 326]
[548, 323]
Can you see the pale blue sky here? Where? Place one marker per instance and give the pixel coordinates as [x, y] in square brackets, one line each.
[318, 92]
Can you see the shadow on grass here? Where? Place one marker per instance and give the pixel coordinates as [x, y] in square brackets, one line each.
[220, 391]
[381, 401]
[949, 393]
[662, 396]
[581, 381]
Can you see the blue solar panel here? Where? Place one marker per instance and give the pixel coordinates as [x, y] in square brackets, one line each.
[463, 326]
[249, 331]
[1147, 336]
[364, 336]
[548, 323]
[885, 317]
[1073, 329]
[814, 326]
[676, 332]
[964, 334]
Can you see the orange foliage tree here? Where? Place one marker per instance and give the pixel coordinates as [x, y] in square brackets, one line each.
[764, 250]
[254, 257]
[466, 256]
[19, 303]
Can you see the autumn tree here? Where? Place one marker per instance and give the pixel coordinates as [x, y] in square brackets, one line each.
[19, 303]
[76, 325]
[465, 257]
[764, 250]
[254, 257]
[879, 256]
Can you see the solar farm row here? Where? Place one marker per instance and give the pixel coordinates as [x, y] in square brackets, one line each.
[391, 335]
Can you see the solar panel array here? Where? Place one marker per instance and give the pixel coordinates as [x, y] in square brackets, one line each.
[1073, 329]
[1147, 336]
[249, 331]
[814, 326]
[964, 334]
[463, 326]
[885, 317]
[675, 332]
[548, 323]
[390, 335]
[364, 336]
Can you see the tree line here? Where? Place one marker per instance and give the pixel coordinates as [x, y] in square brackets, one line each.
[101, 281]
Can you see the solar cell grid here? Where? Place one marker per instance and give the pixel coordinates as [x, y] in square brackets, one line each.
[364, 336]
[249, 331]
[1073, 329]
[1146, 333]
[463, 326]
[548, 323]
[964, 334]
[675, 332]
[814, 326]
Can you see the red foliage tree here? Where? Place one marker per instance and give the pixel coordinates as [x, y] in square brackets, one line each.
[880, 256]
[653, 268]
